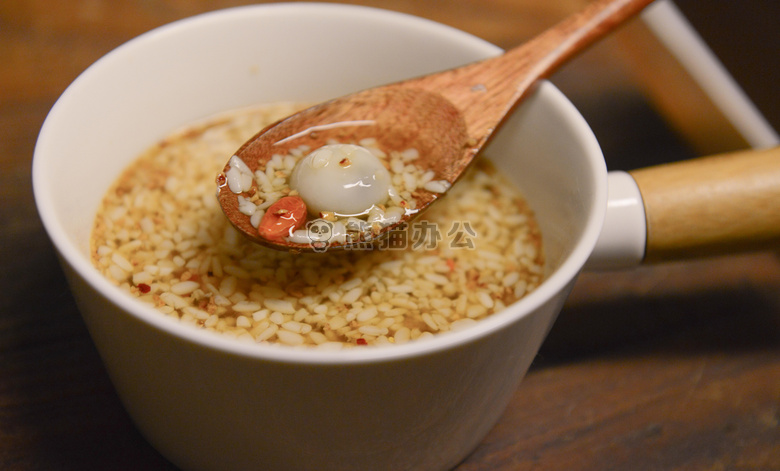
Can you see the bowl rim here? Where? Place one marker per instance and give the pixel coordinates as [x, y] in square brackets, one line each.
[552, 286]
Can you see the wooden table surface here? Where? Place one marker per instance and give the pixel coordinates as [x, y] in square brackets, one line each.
[673, 367]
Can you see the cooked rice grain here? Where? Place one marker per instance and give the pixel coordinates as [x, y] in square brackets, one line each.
[161, 235]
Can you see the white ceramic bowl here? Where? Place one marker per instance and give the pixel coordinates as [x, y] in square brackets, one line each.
[210, 403]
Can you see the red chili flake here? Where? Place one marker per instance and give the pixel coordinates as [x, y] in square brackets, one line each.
[345, 162]
[221, 179]
[361, 342]
[144, 288]
[451, 264]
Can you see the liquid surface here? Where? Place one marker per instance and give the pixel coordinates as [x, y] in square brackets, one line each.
[162, 237]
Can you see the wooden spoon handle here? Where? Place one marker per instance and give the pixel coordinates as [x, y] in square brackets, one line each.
[717, 204]
[485, 92]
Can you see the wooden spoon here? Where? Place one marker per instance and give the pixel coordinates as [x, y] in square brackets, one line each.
[448, 116]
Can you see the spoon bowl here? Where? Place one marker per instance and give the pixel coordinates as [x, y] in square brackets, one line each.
[448, 117]
[397, 117]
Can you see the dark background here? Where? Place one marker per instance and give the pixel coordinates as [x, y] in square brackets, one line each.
[664, 367]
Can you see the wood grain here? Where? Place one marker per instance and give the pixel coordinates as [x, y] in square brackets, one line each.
[728, 202]
[487, 91]
[668, 367]
[419, 113]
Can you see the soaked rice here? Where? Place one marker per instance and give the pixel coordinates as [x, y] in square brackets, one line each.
[161, 235]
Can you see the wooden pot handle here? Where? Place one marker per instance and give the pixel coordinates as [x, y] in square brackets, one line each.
[725, 203]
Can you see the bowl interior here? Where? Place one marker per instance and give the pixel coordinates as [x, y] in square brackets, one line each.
[234, 58]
